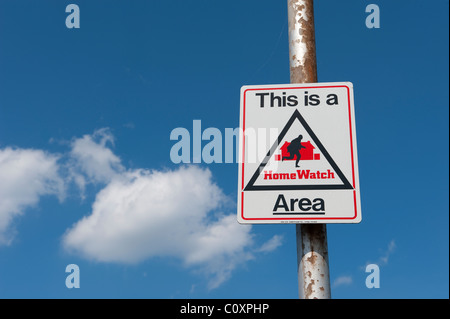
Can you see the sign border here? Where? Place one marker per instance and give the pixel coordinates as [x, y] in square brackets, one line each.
[300, 87]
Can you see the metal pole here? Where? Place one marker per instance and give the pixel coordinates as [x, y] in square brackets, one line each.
[312, 249]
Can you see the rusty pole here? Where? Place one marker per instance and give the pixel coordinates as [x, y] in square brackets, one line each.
[312, 248]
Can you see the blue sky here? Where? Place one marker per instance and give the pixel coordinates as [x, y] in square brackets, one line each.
[85, 122]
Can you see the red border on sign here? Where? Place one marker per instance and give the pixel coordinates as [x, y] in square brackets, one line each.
[351, 149]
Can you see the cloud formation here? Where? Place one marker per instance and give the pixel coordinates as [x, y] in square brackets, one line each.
[25, 176]
[137, 214]
[93, 160]
[271, 244]
[384, 259]
[342, 281]
[143, 213]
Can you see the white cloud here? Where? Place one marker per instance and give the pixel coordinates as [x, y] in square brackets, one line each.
[25, 176]
[92, 158]
[271, 244]
[144, 214]
[139, 214]
[342, 281]
[386, 254]
[384, 259]
[145, 206]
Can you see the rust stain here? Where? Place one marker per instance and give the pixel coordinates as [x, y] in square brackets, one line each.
[312, 259]
[309, 289]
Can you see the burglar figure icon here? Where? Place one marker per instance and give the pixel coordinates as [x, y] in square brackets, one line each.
[294, 150]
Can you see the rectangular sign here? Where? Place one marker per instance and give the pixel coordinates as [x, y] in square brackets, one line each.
[298, 156]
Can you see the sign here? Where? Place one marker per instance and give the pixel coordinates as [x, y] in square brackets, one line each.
[298, 156]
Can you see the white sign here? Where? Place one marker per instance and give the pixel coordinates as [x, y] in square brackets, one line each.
[298, 158]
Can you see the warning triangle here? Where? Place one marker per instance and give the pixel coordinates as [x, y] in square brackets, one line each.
[300, 163]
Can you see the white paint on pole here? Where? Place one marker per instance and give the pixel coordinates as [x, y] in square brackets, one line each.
[312, 260]
[296, 37]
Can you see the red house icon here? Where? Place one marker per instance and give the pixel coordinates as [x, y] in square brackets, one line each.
[307, 153]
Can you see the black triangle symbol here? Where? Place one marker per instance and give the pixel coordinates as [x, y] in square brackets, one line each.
[251, 187]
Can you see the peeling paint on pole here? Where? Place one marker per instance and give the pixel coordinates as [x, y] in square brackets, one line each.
[312, 254]
[302, 47]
